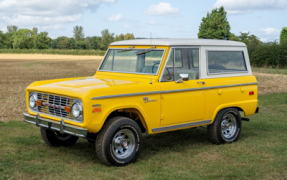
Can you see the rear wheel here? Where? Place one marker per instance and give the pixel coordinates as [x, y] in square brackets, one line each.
[119, 142]
[54, 138]
[226, 127]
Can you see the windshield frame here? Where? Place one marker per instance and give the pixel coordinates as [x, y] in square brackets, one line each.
[150, 74]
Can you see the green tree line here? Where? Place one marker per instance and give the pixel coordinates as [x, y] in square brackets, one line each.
[16, 38]
[262, 54]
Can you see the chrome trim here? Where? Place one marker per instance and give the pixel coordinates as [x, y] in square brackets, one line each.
[206, 88]
[171, 91]
[35, 98]
[183, 77]
[80, 117]
[62, 107]
[178, 126]
[56, 126]
[231, 72]
[180, 47]
[132, 72]
[125, 95]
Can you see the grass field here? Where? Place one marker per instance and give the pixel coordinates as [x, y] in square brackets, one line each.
[270, 70]
[260, 153]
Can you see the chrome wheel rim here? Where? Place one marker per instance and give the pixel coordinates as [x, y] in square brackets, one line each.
[123, 144]
[228, 125]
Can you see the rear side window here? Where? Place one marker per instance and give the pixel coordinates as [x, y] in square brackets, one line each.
[225, 62]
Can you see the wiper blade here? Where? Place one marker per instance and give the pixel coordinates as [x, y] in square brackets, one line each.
[146, 51]
[126, 49]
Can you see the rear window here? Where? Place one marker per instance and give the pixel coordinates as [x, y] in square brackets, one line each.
[225, 62]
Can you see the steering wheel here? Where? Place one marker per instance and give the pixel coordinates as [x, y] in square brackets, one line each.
[153, 67]
[168, 73]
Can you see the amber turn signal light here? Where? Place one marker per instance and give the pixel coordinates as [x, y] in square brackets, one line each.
[97, 109]
[67, 108]
[39, 103]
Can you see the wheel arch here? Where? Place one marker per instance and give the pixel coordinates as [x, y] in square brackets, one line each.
[129, 112]
[240, 109]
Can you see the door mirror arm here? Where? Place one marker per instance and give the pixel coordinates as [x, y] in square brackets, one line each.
[183, 77]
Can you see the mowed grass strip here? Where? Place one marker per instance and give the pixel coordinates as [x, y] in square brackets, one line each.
[260, 152]
[270, 70]
[54, 51]
[46, 57]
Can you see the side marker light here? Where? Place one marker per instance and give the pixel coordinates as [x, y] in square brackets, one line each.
[97, 109]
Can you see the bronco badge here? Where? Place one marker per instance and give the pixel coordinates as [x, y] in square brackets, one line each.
[147, 100]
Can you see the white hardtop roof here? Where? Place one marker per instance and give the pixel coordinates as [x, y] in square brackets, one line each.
[178, 42]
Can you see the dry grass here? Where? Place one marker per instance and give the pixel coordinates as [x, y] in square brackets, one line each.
[16, 75]
[271, 83]
[18, 71]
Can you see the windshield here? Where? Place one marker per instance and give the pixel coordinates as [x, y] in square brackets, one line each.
[141, 61]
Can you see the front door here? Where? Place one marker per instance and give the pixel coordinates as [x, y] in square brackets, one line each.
[185, 101]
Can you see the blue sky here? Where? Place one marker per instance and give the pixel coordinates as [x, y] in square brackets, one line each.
[164, 18]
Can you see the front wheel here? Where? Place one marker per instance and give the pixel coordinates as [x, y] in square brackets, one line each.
[226, 127]
[54, 138]
[119, 142]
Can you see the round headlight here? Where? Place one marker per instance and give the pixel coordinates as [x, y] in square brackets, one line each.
[32, 101]
[77, 110]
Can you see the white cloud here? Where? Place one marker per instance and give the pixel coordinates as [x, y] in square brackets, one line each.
[154, 23]
[43, 13]
[270, 31]
[116, 17]
[109, 1]
[53, 27]
[161, 9]
[26, 20]
[126, 26]
[247, 6]
[268, 34]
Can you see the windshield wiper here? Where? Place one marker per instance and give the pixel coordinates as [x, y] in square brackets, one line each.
[146, 51]
[127, 49]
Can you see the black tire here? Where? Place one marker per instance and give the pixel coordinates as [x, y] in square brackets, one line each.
[119, 142]
[91, 141]
[53, 138]
[226, 127]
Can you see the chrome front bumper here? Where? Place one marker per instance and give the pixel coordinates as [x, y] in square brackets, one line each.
[57, 126]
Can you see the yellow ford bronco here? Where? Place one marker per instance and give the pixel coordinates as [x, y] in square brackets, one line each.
[148, 85]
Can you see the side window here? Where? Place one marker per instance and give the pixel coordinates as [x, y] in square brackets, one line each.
[184, 61]
[225, 61]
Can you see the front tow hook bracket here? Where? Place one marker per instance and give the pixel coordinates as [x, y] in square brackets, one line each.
[62, 123]
[37, 120]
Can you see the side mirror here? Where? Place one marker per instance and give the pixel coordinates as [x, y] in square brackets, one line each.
[183, 77]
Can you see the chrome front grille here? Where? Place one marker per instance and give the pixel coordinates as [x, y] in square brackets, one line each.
[55, 105]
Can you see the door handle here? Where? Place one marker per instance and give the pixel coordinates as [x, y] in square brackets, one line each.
[201, 82]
